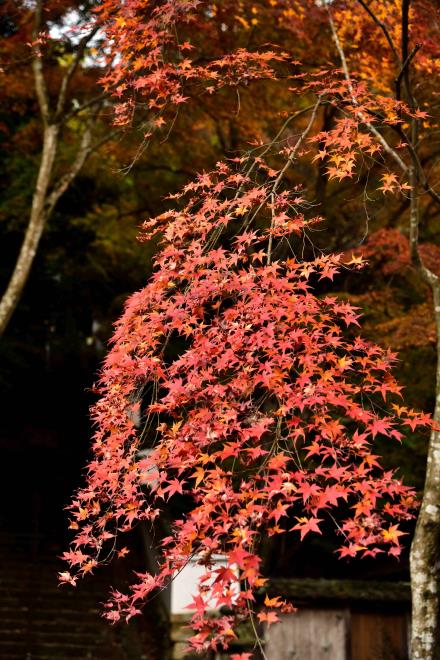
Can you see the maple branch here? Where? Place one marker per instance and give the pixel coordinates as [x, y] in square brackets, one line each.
[270, 144]
[256, 635]
[290, 118]
[289, 161]
[37, 67]
[297, 146]
[287, 164]
[421, 176]
[216, 234]
[383, 27]
[389, 150]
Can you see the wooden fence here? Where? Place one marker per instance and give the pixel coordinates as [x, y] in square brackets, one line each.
[332, 634]
[341, 620]
[335, 620]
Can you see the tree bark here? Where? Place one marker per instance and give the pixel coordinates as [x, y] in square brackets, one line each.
[34, 229]
[425, 548]
[47, 193]
[44, 201]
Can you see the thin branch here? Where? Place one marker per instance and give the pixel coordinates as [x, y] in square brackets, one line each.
[421, 176]
[404, 69]
[269, 246]
[384, 29]
[270, 144]
[297, 146]
[288, 163]
[216, 234]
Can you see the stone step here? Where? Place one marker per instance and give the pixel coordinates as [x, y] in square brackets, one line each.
[47, 612]
[51, 619]
[75, 651]
[92, 605]
[56, 636]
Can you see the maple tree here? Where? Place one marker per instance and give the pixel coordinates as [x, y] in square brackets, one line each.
[265, 416]
[267, 399]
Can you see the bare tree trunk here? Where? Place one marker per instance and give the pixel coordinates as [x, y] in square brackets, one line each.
[43, 203]
[47, 192]
[34, 229]
[425, 549]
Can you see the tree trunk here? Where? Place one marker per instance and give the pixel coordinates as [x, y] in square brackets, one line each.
[37, 221]
[425, 549]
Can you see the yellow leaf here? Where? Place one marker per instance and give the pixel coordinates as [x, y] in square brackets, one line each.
[198, 475]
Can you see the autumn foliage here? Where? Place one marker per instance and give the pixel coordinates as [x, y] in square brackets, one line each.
[265, 418]
[259, 402]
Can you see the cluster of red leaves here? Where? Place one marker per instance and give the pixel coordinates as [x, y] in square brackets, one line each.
[264, 419]
[153, 65]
